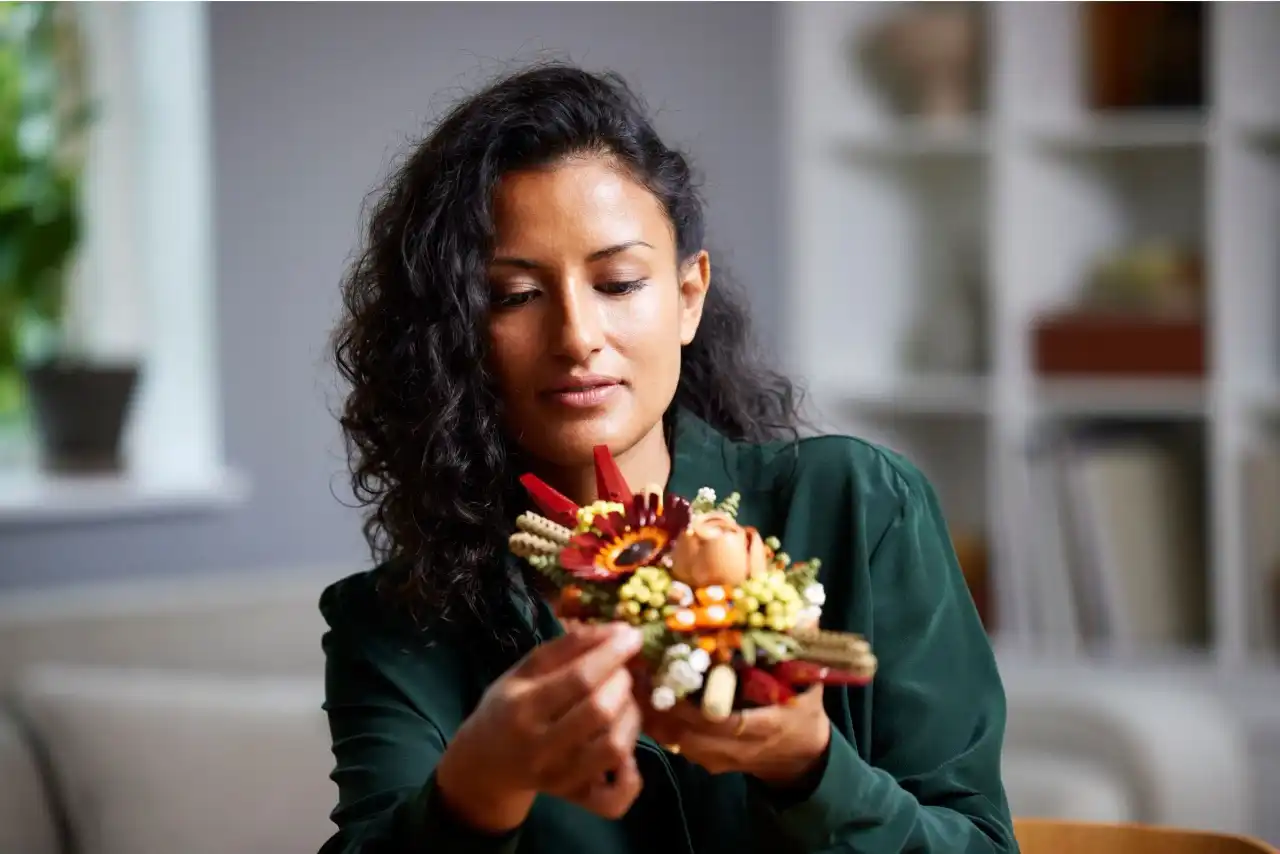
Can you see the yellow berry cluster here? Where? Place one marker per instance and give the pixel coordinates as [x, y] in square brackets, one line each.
[588, 513]
[769, 600]
[642, 596]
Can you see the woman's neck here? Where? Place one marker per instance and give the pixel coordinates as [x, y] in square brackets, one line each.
[645, 463]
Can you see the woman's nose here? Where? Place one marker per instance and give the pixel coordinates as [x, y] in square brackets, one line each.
[580, 332]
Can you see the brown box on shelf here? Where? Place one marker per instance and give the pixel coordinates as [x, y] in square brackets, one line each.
[1106, 345]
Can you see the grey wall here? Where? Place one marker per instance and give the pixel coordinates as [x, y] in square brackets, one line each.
[311, 101]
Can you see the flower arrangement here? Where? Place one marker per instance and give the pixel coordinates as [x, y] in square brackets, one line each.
[729, 620]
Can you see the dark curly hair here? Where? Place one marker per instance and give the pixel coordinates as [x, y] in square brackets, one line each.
[427, 452]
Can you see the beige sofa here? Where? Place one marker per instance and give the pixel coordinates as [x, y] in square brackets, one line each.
[185, 716]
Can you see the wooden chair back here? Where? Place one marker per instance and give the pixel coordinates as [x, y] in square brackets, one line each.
[1046, 836]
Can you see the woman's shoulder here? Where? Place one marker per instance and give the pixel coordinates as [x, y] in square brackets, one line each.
[358, 606]
[373, 646]
[842, 469]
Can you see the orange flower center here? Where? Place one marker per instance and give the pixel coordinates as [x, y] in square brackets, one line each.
[633, 548]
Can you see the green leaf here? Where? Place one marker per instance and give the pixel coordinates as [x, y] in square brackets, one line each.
[777, 646]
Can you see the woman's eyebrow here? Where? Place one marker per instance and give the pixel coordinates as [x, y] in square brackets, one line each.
[598, 255]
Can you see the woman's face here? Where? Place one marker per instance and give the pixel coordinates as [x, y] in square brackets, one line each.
[590, 307]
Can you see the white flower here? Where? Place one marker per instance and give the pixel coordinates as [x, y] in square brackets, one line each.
[706, 495]
[663, 698]
[809, 616]
[681, 676]
[815, 595]
[680, 593]
[678, 650]
[699, 660]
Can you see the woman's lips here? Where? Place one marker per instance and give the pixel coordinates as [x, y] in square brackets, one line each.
[586, 395]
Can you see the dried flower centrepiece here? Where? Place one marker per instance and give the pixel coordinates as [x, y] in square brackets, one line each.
[729, 620]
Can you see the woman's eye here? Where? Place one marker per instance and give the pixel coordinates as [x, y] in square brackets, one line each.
[620, 288]
[513, 300]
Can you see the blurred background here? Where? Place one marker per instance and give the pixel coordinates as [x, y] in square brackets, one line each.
[1035, 247]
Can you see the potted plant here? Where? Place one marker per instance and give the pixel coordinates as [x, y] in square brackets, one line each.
[78, 407]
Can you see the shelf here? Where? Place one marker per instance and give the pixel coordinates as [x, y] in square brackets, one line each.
[915, 142]
[1025, 202]
[1263, 133]
[27, 498]
[1121, 133]
[1122, 398]
[928, 397]
[1264, 401]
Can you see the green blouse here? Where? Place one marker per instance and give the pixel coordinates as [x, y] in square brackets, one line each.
[914, 761]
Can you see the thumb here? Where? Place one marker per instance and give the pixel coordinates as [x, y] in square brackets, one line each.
[580, 638]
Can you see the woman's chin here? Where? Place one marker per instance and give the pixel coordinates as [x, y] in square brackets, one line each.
[573, 442]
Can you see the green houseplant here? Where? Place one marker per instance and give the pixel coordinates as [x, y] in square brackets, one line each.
[78, 407]
[40, 164]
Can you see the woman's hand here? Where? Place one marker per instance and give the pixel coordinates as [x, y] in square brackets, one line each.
[779, 745]
[562, 722]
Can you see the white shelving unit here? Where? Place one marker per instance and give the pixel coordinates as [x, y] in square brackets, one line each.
[1025, 198]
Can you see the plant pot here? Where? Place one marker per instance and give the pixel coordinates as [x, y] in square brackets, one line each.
[80, 412]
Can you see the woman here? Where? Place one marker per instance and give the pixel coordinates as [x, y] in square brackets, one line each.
[535, 284]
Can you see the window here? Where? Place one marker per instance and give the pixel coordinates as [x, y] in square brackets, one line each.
[144, 286]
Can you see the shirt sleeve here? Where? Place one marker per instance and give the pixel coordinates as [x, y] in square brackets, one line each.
[385, 753]
[932, 781]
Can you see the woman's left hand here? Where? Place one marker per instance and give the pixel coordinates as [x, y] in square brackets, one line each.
[779, 745]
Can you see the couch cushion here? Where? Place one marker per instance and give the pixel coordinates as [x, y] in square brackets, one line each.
[1053, 785]
[26, 817]
[152, 762]
[267, 623]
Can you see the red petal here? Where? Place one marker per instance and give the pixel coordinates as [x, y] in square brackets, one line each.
[596, 573]
[610, 484]
[675, 514]
[575, 560]
[554, 506]
[610, 525]
[760, 688]
[797, 672]
[639, 515]
[587, 541]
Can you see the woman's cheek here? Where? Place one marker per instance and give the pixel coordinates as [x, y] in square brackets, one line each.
[646, 323]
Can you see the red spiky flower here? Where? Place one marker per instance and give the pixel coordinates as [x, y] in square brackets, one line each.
[620, 542]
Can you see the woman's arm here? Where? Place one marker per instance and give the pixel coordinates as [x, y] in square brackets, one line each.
[386, 752]
[938, 712]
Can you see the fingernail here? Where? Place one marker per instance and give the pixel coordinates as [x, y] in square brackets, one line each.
[626, 637]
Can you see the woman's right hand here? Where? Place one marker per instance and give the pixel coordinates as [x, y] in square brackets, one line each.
[561, 722]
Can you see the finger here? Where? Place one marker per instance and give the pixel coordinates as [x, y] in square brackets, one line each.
[565, 687]
[593, 716]
[749, 725]
[553, 654]
[611, 801]
[609, 751]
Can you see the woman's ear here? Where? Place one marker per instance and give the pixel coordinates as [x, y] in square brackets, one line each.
[695, 278]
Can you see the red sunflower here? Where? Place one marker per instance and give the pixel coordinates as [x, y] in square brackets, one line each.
[622, 542]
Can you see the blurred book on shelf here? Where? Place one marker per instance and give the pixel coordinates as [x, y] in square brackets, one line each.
[1145, 55]
[1262, 544]
[1113, 551]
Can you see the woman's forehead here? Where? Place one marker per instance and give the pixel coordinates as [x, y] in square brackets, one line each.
[583, 204]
